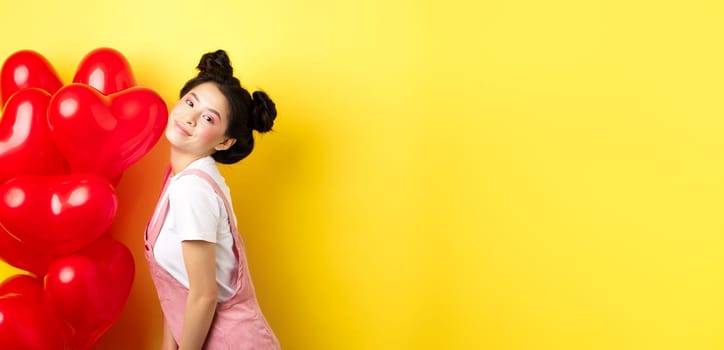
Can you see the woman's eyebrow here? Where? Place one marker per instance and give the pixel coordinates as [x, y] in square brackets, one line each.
[210, 109]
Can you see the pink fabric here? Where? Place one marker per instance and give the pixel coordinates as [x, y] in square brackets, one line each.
[238, 322]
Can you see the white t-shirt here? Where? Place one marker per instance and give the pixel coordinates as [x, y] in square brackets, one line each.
[196, 213]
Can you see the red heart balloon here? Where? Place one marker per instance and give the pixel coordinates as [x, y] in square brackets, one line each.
[22, 255]
[106, 70]
[57, 214]
[22, 285]
[25, 69]
[25, 322]
[88, 290]
[26, 146]
[105, 134]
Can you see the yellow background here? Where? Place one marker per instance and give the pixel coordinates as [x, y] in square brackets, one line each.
[507, 174]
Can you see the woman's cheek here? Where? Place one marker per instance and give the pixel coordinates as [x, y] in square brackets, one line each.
[205, 133]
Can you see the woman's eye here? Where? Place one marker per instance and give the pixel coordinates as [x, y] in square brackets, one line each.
[190, 103]
[208, 118]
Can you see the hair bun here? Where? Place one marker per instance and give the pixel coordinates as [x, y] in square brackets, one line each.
[263, 112]
[215, 63]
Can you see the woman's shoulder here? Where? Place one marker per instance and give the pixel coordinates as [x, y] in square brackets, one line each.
[190, 185]
[189, 180]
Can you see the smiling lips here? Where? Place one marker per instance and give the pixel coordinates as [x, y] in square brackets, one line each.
[181, 130]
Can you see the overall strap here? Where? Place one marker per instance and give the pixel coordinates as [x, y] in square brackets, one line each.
[159, 214]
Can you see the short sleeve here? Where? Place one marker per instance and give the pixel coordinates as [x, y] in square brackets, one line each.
[195, 209]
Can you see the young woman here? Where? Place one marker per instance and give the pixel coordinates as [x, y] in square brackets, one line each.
[195, 254]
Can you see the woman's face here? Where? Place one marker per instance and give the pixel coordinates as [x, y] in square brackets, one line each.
[197, 123]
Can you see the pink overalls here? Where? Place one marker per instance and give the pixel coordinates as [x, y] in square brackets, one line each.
[238, 322]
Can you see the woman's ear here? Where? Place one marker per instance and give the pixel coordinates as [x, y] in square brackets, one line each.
[226, 144]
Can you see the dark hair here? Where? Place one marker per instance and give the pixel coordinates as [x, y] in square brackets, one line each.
[247, 112]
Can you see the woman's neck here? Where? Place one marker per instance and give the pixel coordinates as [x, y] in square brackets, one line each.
[180, 160]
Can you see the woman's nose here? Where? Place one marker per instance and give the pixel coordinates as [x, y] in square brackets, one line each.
[190, 119]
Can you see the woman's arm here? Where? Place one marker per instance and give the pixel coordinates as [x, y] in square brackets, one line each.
[200, 260]
[167, 342]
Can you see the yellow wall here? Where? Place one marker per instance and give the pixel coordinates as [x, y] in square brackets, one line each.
[507, 174]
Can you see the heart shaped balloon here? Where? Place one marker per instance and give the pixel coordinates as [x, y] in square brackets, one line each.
[105, 134]
[57, 214]
[106, 70]
[26, 322]
[26, 146]
[89, 289]
[25, 285]
[25, 69]
[22, 255]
